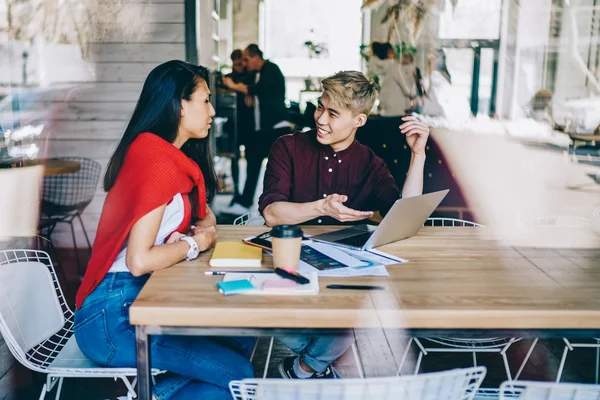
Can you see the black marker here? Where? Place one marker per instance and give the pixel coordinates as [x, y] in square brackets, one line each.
[355, 287]
[292, 276]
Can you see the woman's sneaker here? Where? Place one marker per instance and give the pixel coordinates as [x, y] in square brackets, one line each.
[286, 370]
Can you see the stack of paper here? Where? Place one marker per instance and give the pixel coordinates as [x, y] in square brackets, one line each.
[357, 263]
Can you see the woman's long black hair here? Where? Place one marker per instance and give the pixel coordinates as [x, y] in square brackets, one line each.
[158, 111]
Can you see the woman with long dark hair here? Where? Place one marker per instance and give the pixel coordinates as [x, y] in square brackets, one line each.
[159, 182]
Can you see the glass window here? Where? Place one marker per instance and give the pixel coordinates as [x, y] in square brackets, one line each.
[334, 24]
[471, 19]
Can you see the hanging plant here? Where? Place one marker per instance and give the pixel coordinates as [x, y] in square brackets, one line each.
[81, 22]
[409, 13]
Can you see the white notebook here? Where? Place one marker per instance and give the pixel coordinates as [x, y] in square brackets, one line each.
[271, 284]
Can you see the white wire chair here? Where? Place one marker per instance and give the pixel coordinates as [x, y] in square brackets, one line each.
[251, 218]
[525, 390]
[38, 329]
[464, 345]
[458, 384]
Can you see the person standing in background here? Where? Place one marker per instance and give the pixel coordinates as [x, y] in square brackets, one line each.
[245, 108]
[400, 84]
[270, 122]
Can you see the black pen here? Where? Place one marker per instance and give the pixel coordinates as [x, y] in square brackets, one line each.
[355, 287]
[292, 276]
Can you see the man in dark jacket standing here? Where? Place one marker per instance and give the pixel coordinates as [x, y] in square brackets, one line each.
[269, 116]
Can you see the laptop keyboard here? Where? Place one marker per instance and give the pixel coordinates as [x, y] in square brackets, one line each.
[356, 241]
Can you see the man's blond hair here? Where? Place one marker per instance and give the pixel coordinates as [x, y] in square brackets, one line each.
[351, 90]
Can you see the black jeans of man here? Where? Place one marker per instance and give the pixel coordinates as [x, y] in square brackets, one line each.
[258, 147]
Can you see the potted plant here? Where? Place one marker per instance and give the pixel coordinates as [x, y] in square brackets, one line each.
[315, 50]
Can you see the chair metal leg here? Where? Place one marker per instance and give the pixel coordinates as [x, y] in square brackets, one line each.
[506, 366]
[75, 247]
[59, 388]
[87, 239]
[474, 359]
[419, 358]
[43, 393]
[403, 360]
[597, 358]
[254, 350]
[268, 357]
[526, 359]
[562, 364]
[130, 386]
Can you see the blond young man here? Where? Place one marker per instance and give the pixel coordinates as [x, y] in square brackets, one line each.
[325, 176]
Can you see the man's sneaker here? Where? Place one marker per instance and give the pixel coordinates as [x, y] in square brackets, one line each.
[286, 370]
[235, 209]
[329, 373]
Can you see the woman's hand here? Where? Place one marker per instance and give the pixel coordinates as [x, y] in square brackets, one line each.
[175, 236]
[204, 237]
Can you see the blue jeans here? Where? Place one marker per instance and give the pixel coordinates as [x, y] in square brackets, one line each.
[318, 352]
[200, 367]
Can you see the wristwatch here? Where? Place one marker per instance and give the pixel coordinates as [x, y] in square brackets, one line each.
[194, 250]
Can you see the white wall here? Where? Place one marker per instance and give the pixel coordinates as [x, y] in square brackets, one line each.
[94, 116]
[245, 23]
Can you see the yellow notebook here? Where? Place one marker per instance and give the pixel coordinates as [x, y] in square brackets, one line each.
[236, 254]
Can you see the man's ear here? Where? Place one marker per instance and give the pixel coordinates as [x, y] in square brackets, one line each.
[361, 119]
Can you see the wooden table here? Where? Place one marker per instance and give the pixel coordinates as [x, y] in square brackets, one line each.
[581, 138]
[52, 166]
[584, 138]
[456, 279]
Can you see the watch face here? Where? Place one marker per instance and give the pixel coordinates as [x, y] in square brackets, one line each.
[193, 251]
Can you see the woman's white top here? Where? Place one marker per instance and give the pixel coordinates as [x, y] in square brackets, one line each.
[171, 220]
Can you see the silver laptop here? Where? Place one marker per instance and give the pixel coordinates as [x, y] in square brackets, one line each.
[404, 220]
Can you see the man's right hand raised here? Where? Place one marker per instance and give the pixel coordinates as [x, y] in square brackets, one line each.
[332, 206]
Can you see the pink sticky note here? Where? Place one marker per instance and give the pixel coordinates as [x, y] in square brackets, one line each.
[279, 284]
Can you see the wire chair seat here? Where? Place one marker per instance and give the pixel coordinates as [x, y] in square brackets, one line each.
[72, 189]
[450, 222]
[486, 343]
